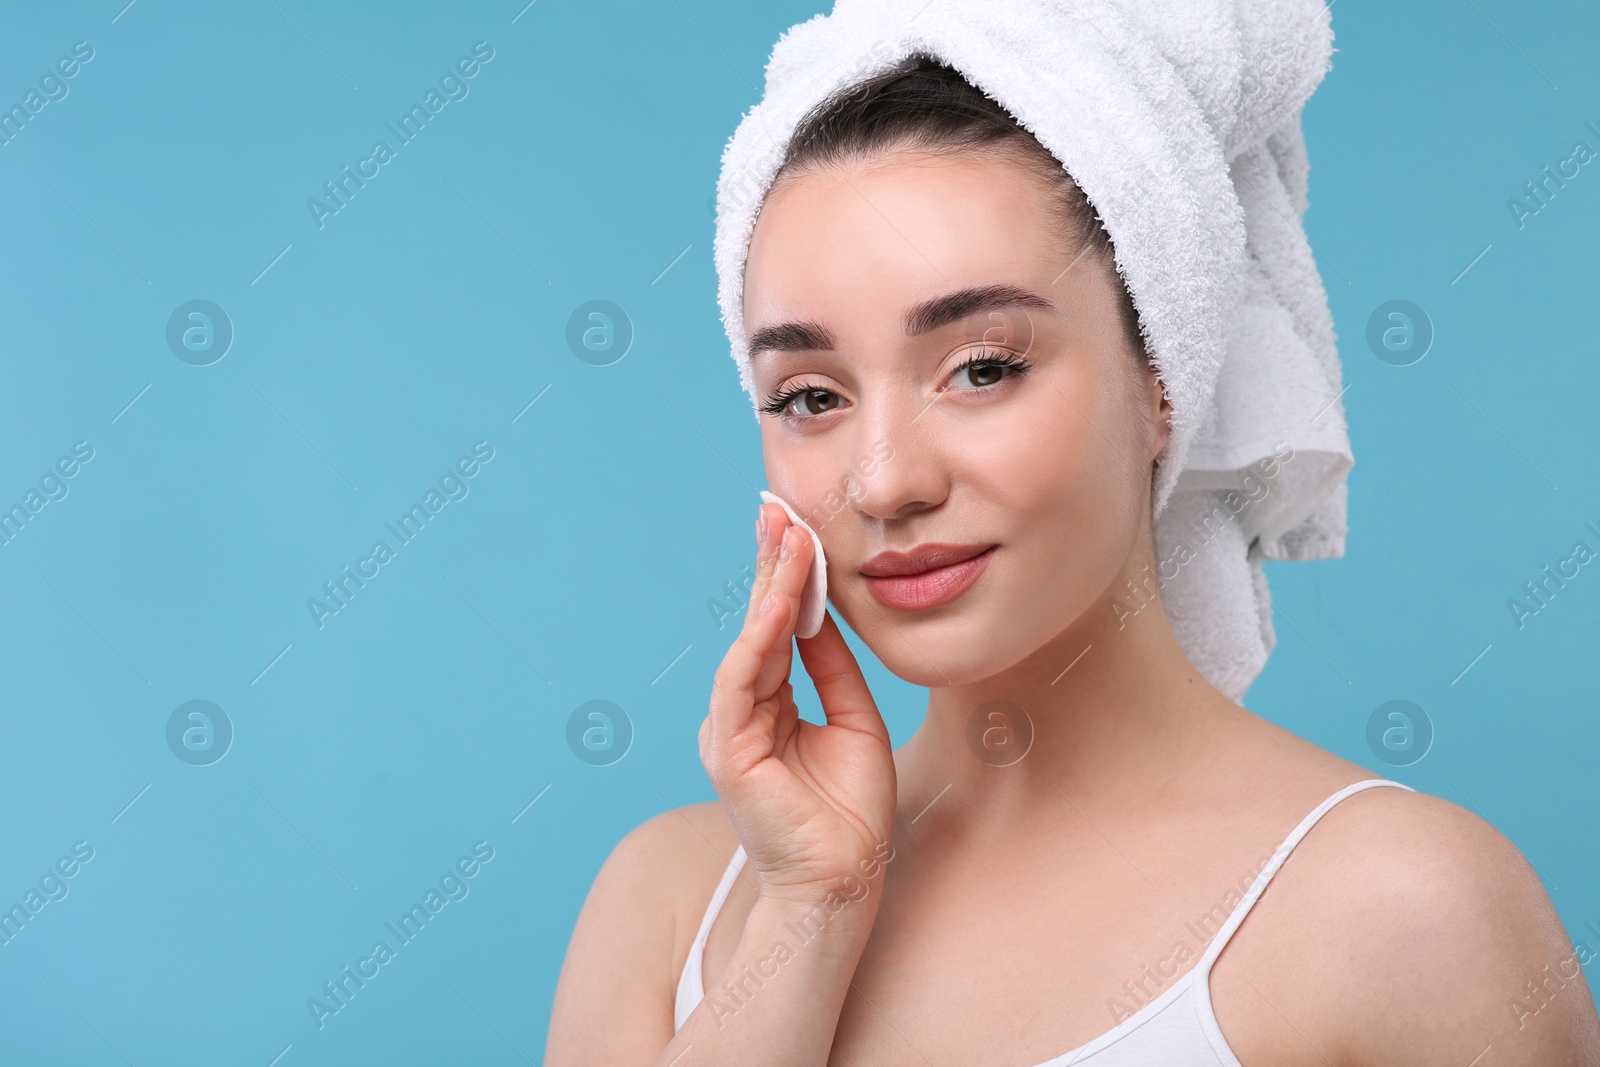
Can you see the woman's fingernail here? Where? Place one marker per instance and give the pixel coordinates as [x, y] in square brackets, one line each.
[761, 527]
[789, 544]
[766, 604]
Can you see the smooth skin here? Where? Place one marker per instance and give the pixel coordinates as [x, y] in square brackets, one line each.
[1023, 909]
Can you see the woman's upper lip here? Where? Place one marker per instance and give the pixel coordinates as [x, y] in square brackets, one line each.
[922, 558]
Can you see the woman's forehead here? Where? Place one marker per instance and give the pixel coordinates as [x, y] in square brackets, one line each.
[892, 233]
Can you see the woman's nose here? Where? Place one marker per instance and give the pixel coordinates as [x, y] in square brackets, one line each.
[901, 467]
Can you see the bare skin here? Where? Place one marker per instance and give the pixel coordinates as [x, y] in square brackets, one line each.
[1024, 905]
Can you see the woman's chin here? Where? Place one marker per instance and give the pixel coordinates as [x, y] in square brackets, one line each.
[956, 649]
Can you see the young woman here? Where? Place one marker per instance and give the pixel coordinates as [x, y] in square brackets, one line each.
[1065, 864]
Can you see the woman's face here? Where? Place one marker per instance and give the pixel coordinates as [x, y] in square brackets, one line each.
[868, 287]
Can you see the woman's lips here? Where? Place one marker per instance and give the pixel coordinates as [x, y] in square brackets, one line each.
[929, 588]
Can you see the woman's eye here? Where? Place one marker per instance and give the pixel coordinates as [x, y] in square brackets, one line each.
[813, 402]
[979, 375]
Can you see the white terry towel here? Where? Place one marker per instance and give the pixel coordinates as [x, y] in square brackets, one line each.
[1180, 120]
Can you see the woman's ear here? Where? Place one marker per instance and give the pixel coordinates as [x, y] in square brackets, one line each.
[1159, 409]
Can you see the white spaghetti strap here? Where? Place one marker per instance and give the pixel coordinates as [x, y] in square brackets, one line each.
[691, 984]
[1259, 886]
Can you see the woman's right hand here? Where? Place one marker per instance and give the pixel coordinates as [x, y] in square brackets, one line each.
[810, 803]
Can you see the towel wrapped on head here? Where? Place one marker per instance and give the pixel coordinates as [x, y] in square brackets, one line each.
[1181, 124]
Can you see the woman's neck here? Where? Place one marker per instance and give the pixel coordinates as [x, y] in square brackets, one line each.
[1113, 707]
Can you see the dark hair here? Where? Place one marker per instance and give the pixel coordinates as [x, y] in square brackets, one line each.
[925, 104]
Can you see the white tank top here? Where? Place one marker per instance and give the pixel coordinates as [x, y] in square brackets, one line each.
[1175, 1029]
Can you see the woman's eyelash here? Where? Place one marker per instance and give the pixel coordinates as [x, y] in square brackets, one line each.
[778, 401]
[1009, 360]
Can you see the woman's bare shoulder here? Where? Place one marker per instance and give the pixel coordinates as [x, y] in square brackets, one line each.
[614, 999]
[673, 861]
[684, 839]
[1404, 928]
[1420, 934]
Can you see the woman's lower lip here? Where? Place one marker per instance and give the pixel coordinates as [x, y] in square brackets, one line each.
[930, 589]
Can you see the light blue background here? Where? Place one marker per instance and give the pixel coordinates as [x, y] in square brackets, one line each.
[426, 315]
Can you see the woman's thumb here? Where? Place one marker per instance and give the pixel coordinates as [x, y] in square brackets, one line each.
[833, 669]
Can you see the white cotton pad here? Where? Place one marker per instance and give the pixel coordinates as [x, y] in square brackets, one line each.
[814, 597]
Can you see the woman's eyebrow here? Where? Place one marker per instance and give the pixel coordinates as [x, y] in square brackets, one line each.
[953, 307]
[791, 337]
[924, 317]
